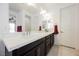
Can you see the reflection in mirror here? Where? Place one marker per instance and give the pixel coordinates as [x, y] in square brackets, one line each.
[12, 24]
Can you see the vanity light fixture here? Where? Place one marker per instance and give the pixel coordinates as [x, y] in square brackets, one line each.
[45, 14]
[31, 4]
[42, 12]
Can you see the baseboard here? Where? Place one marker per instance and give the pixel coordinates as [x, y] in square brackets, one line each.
[65, 46]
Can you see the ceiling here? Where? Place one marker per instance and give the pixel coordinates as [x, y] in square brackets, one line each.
[47, 6]
[53, 5]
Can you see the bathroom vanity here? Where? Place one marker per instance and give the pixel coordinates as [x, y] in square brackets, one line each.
[38, 45]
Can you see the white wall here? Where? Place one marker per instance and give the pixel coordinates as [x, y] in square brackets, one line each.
[55, 11]
[24, 21]
[13, 13]
[36, 21]
[4, 25]
[56, 18]
[19, 17]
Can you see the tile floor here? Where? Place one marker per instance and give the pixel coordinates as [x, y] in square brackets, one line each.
[62, 51]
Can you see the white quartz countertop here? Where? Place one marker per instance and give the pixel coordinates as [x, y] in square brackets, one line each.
[16, 40]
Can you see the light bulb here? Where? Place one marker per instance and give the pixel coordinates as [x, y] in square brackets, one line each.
[31, 4]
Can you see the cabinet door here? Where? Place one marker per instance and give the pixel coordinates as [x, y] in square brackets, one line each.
[31, 53]
[52, 40]
[40, 50]
[47, 44]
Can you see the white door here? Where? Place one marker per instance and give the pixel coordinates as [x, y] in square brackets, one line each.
[77, 26]
[69, 23]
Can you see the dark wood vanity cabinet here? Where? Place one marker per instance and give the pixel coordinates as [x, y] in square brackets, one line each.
[51, 40]
[30, 53]
[37, 48]
[40, 49]
[47, 44]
